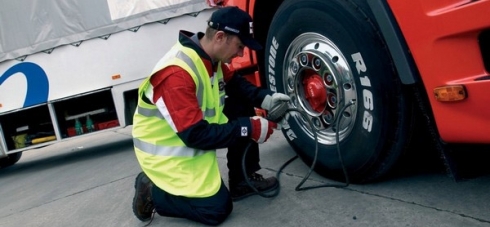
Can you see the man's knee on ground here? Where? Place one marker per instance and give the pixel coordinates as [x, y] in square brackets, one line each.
[214, 216]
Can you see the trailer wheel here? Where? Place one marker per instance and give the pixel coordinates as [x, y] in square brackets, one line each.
[10, 160]
[324, 55]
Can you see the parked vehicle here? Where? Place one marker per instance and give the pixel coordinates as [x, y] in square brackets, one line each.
[67, 70]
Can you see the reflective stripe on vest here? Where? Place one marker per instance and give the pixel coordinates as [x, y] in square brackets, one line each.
[156, 113]
[164, 151]
[200, 86]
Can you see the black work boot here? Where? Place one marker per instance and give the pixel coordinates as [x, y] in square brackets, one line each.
[142, 201]
[242, 190]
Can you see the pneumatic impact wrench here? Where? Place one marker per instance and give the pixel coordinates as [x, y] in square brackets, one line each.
[276, 115]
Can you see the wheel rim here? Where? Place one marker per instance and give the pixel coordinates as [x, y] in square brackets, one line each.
[320, 83]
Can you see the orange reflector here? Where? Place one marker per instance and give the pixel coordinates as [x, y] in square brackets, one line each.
[450, 93]
[117, 76]
[1, 105]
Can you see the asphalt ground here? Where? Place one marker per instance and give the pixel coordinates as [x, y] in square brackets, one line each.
[89, 181]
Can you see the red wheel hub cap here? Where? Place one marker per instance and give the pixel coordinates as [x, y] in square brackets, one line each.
[315, 92]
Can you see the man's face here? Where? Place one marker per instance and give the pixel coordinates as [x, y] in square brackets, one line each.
[231, 48]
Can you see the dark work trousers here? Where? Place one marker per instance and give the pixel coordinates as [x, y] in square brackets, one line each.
[239, 108]
[210, 211]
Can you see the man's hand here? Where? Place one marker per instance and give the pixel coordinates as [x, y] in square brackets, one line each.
[261, 129]
[270, 102]
[276, 106]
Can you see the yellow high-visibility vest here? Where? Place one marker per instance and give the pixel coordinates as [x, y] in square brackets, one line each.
[173, 167]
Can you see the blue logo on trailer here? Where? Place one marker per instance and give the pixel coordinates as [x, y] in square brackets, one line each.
[37, 82]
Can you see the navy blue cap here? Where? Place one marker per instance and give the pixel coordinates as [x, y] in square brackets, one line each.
[233, 20]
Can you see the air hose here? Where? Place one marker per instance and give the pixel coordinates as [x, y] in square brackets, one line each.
[312, 166]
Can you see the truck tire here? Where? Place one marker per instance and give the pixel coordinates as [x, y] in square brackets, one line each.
[10, 160]
[325, 55]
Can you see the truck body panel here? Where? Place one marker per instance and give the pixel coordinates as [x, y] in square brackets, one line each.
[443, 37]
[78, 60]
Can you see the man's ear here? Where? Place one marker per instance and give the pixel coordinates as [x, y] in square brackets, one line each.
[220, 36]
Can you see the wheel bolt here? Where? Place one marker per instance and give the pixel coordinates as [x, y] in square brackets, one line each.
[291, 82]
[327, 117]
[317, 122]
[304, 59]
[317, 63]
[294, 67]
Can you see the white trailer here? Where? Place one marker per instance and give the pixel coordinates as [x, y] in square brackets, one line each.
[64, 62]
